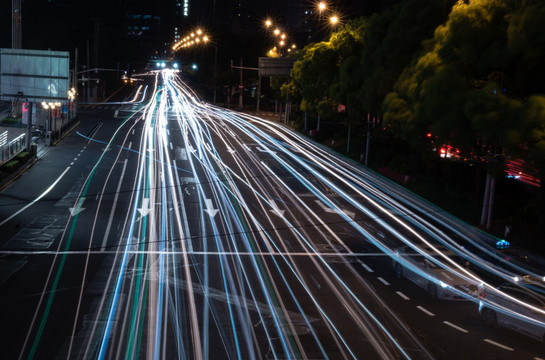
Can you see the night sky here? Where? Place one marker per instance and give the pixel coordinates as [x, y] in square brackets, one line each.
[101, 25]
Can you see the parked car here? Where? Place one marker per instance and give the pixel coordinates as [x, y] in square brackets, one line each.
[439, 282]
[501, 310]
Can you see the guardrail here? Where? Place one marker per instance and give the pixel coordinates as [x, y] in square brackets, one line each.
[11, 149]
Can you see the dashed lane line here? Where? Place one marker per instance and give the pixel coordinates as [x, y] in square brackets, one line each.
[498, 345]
[455, 327]
[425, 311]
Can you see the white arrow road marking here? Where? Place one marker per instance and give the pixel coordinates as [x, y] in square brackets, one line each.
[145, 209]
[327, 209]
[275, 209]
[77, 209]
[230, 151]
[181, 153]
[210, 208]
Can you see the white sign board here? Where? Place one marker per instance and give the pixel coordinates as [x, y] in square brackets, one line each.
[34, 75]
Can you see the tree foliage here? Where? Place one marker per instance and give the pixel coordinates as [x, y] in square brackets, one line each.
[473, 75]
[478, 85]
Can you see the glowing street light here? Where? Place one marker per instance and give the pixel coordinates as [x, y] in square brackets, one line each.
[334, 20]
[322, 6]
[268, 23]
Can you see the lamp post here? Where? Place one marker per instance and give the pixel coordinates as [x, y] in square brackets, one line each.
[71, 97]
[199, 38]
[48, 106]
[321, 7]
[205, 40]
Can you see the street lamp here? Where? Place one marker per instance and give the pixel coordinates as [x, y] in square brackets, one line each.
[321, 7]
[334, 20]
[49, 107]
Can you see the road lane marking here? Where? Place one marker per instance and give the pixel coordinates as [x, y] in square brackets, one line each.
[114, 205]
[316, 282]
[455, 327]
[38, 198]
[78, 207]
[383, 281]
[170, 252]
[498, 345]
[210, 208]
[425, 311]
[365, 266]
[405, 297]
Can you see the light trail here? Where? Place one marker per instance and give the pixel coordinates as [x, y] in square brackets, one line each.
[221, 252]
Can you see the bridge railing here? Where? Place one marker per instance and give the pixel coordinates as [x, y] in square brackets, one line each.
[9, 150]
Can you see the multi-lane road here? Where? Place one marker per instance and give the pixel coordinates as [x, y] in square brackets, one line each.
[164, 227]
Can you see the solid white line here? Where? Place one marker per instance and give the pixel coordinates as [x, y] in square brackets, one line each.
[405, 297]
[38, 198]
[498, 345]
[383, 281]
[425, 311]
[166, 252]
[538, 358]
[114, 205]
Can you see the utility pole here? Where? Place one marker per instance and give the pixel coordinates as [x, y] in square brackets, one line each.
[240, 86]
[75, 77]
[16, 19]
[215, 70]
[29, 125]
[368, 143]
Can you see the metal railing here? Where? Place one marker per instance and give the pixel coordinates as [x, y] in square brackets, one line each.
[14, 147]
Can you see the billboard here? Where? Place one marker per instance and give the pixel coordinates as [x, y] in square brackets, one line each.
[275, 66]
[34, 75]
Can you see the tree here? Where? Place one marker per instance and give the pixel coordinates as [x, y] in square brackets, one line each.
[479, 84]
